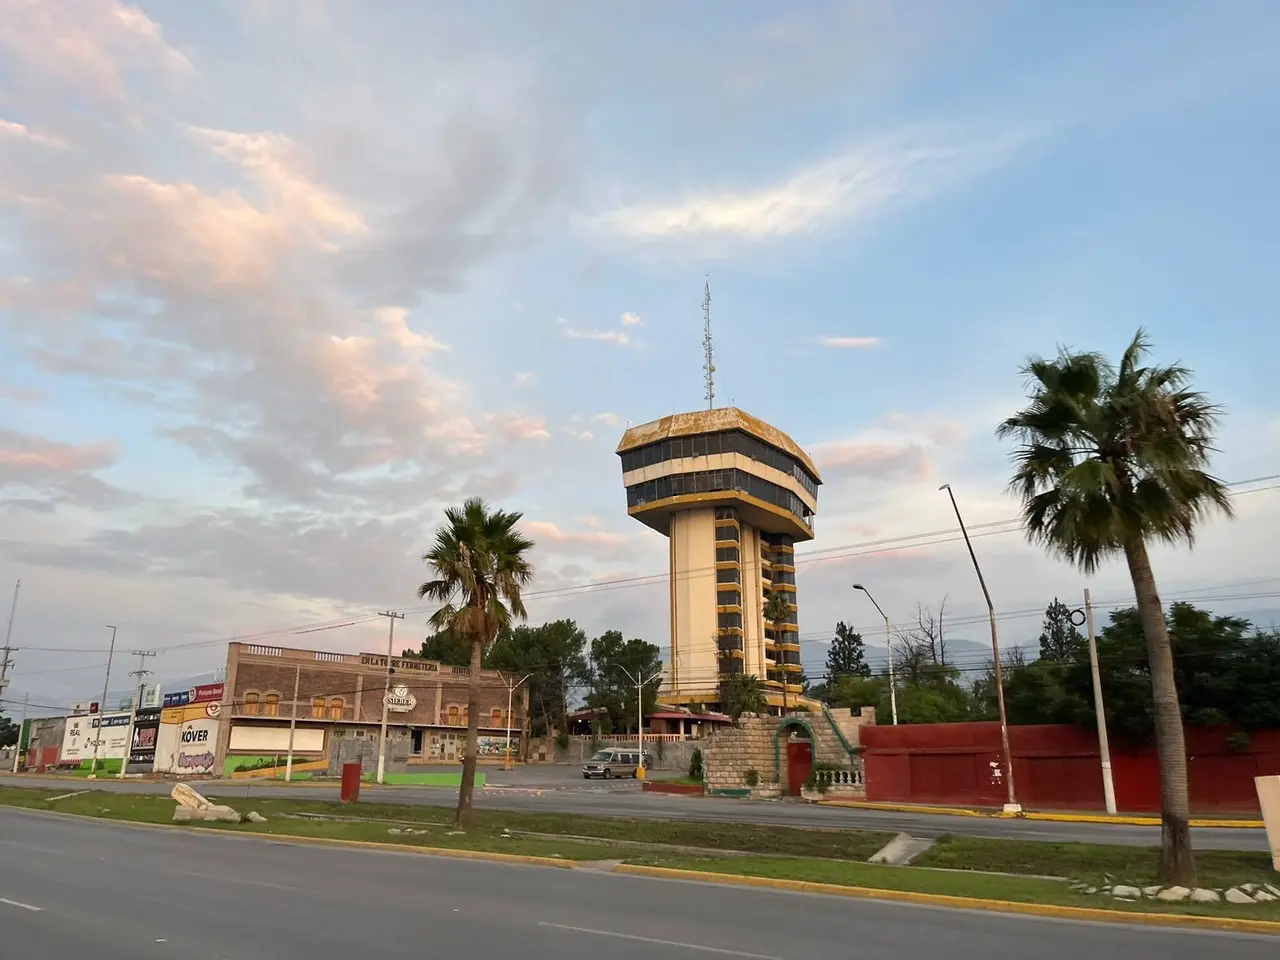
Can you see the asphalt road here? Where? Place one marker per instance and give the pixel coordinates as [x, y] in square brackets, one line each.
[599, 800]
[117, 892]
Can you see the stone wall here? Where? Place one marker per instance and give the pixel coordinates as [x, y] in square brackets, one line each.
[730, 754]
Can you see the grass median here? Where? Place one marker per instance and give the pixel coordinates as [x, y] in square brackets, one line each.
[955, 866]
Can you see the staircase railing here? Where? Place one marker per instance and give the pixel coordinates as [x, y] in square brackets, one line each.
[835, 727]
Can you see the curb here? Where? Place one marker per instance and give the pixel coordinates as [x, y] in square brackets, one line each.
[1130, 821]
[1232, 924]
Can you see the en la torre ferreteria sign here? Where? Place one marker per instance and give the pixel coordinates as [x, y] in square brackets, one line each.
[400, 699]
[420, 666]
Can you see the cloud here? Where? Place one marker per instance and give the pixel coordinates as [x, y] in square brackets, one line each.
[863, 183]
[597, 543]
[40, 474]
[849, 343]
[604, 336]
[88, 45]
[876, 461]
[608, 418]
[631, 320]
[8, 128]
[524, 379]
[516, 427]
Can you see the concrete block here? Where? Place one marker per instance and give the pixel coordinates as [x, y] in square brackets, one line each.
[1204, 895]
[1173, 894]
[1236, 895]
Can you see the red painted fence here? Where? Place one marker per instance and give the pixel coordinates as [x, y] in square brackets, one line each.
[1056, 767]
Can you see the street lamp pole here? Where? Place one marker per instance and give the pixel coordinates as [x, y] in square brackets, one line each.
[888, 645]
[511, 690]
[1012, 806]
[639, 679]
[102, 704]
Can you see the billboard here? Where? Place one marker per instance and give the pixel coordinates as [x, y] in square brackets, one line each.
[187, 742]
[203, 693]
[146, 730]
[108, 730]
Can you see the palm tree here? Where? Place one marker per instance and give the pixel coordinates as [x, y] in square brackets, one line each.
[1110, 459]
[743, 694]
[777, 610]
[478, 560]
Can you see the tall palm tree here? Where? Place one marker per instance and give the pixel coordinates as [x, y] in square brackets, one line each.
[479, 566]
[777, 610]
[1110, 459]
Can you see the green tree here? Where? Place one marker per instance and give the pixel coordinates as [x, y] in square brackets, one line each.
[743, 693]
[479, 565]
[8, 732]
[445, 647]
[846, 656]
[1060, 639]
[1109, 459]
[554, 657]
[616, 664]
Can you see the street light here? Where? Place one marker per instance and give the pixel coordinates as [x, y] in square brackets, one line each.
[102, 706]
[1012, 806]
[888, 645]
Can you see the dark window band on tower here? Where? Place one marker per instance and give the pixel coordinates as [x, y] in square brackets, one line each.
[726, 441]
[716, 481]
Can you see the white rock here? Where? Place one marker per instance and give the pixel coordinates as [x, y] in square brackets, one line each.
[456, 833]
[394, 831]
[1204, 895]
[253, 816]
[1236, 895]
[1091, 890]
[1274, 891]
[1173, 894]
[1151, 891]
[1263, 897]
[1122, 892]
[1249, 887]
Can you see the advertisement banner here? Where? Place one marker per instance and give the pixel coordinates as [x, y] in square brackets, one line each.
[206, 692]
[109, 731]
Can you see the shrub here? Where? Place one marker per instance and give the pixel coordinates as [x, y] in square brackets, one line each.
[562, 740]
[695, 764]
[752, 777]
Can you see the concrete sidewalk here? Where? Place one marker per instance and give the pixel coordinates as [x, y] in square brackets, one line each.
[1053, 816]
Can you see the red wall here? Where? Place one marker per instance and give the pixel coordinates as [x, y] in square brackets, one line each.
[1055, 767]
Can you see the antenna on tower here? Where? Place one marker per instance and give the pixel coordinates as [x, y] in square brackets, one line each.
[708, 347]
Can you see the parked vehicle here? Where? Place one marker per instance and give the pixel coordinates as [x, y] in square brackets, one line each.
[615, 762]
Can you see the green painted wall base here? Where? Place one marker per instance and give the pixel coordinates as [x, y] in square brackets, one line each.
[426, 779]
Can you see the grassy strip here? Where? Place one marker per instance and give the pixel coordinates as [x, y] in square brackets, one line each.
[963, 855]
[791, 841]
[1091, 862]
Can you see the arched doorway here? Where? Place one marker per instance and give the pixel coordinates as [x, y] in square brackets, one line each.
[793, 750]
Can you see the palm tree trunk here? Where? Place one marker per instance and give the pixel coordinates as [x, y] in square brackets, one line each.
[464, 818]
[1177, 862]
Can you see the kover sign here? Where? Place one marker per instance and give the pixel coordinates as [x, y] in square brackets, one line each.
[188, 740]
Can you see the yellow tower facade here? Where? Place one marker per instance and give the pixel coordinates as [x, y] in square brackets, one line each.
[733, 495]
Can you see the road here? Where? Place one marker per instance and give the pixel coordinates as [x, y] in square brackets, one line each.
[119, 892]
[602, 800]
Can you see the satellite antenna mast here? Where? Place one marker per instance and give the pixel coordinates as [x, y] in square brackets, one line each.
[708, 347]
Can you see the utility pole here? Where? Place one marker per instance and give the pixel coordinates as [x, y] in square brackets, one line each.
[640, 680]
[5, 662]
[1104, 748]
[102, 704]
[293, 722]
[141, 673]
[386, 692]
[17, 752]
[1012, 805]
[511, 689]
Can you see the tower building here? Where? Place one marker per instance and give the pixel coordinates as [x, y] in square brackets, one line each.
[733, 495]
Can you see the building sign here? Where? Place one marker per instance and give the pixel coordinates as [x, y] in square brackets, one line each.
[398, 664]
[179, 699]
[84, 707]
[146, 730]
[206, 692]
[400, 699]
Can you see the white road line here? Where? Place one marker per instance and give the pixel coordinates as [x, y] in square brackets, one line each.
[662, 943]
[20, 905]
[239, 880]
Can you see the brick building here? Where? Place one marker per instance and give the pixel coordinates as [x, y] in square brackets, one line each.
[339, 707]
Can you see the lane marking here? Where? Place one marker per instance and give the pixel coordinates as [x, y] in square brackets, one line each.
[45, 850]
[662, 943]
[20, 905]
[239, 880]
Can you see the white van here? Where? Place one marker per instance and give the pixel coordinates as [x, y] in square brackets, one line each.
[614, 762]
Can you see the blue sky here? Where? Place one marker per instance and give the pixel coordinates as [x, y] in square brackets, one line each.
[279, 279]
